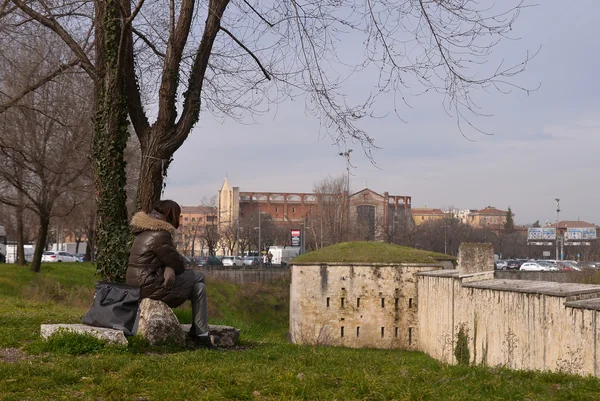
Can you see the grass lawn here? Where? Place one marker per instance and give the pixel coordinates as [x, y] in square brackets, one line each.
[370, 252]
[264, 367]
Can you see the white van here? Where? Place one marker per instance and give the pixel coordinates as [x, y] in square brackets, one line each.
[283, 255]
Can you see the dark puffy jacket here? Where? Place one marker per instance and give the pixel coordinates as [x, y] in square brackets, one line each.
[152, 251]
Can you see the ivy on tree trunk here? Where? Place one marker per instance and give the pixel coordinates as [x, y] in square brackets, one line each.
[112, 234]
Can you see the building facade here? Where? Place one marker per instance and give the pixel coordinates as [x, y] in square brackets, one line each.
[372, 212]
[195, 225]
[422, 215]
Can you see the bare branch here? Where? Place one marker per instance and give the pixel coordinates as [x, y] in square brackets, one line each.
[148, 43]
[265, 72]
[15, 99]
[52, 24]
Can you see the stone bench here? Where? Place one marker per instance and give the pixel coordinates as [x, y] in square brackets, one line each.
[157, 324]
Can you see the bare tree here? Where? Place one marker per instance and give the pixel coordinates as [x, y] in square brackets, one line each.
[248, 54]
[46, 134]
[330, 211]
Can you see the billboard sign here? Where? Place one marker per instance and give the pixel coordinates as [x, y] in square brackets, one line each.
[295, 237]
[582, 233]
[541, 234]
[588, 233]
[534, 234]
[574, 234]
[549, 233]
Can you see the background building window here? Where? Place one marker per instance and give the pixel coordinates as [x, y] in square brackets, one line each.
[366, 221]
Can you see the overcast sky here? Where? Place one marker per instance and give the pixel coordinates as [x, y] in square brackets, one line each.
[544, 145]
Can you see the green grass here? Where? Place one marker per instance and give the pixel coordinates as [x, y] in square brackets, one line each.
[370, 252]
[266, 367]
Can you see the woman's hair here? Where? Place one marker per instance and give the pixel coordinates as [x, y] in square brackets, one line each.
[170, 209]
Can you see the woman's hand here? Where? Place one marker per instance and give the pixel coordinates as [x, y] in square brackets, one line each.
[169, 277]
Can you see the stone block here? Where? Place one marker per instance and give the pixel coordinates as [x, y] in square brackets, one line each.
[228, 336]
[110, 335]
[158, 324]
[475, 258]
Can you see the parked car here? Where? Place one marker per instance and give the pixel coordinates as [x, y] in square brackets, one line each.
[80, 257]
[58, 256]
[501, 265]
[533, 267]
[250, 260]
[514, 264]
[568, 265]
[232, 261]
[209, 261]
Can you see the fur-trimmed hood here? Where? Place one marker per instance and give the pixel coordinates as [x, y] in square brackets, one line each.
[143, 222]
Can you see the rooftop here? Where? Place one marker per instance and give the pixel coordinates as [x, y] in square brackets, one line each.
[370, 252]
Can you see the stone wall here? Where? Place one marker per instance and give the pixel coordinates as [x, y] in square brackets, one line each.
[520, 324]
[371, 306]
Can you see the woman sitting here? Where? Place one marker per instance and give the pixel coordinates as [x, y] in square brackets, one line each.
[158, 269]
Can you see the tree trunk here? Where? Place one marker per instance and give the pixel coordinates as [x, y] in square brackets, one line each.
[20, 238]
[40, 243]
[113, 238]
[153, 167]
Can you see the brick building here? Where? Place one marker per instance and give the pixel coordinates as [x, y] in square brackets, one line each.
[372, 210]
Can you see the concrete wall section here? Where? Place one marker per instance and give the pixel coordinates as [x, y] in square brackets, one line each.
[370, 306]
[509, 323]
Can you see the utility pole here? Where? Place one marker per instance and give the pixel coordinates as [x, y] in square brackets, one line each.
[346, 154]
[259, 238]
[557, 236]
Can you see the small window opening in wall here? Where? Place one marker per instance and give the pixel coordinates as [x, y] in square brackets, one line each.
[357, 331]
[382, 332]
[395, 332]
[409, 335]
[358, 302]
[383, 302]
[343, 302]
[276, 210]
[328, 302]
[342, 331]
[396, 303]
[343, 288]
[410, 302]
[293, 210]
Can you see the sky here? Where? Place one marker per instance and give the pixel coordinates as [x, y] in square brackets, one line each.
[544, 145]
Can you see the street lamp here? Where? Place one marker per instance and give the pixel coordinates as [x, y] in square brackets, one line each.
[557, 215]
[346, 154]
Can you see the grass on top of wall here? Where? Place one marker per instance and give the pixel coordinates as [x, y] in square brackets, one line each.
[370, 252]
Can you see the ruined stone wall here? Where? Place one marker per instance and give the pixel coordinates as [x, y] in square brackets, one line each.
[520, 330]
[519, 324]
[370, 306]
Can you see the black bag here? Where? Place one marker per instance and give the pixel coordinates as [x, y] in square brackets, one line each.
[115, 307]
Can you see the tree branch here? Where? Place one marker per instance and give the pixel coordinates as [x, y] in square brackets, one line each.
[148, 43]
[51, 23]
[62, 68]
[259, 14]
[236, 40]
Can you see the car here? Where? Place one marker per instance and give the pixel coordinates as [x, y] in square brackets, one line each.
[80, 257]
[232, 261]
[58, 256]
[250, 261]
[533, 267]
[514, 264]
[209, 261]
[501, 265]
[568, 265]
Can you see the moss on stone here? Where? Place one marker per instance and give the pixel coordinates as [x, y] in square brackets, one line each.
[370, 252]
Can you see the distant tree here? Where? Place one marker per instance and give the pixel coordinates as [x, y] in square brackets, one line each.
[509, 224]
[536, 224]
[329, 214]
